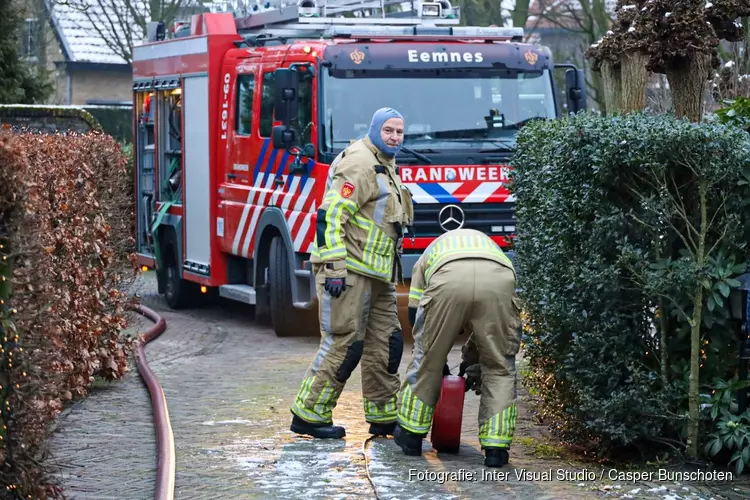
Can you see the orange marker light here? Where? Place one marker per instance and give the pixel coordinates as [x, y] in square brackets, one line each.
[204, 289]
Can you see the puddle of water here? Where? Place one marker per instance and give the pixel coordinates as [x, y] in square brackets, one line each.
[235, 421]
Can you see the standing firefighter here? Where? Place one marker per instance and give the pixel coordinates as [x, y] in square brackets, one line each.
[356, 264]
[463, 281]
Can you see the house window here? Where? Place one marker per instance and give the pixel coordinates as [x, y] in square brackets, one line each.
[29, 36]
[244, 115]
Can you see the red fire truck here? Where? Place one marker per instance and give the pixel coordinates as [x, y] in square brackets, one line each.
[237, 118]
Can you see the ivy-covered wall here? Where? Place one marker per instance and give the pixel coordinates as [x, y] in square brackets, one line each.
[116, 121]
[48, 119]
[112, 120]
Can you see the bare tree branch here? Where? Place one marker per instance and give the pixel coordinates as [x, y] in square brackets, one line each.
[119, 24]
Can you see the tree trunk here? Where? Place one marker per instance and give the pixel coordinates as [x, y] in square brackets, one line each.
[695, 333]
[693, 391]
[663, 344]
[612, 85]
[663, 328]
[520, 13]
[634, 81]
[687, 79]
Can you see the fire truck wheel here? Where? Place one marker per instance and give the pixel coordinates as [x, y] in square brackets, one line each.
[283, 314]
[177, 291]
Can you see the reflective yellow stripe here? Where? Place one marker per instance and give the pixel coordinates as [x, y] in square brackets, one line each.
[333, 245]
[471, 245]
[322, 409]
[355, 265]
[498, 430]
[361, 222]
[336, 253]
[386, 414]
[415, 293]
[413, 414]
[377, 252]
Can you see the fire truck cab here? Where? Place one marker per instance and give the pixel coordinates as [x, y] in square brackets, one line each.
[236, 120]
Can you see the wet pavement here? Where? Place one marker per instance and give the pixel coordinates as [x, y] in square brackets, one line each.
[229, 384]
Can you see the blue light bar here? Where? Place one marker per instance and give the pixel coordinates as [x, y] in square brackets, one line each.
[513, 34]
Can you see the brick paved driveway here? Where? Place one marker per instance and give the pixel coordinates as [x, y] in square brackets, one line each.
[229, 384]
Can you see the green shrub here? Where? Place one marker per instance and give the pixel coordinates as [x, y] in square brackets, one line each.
[116, 121]
[736, 112]
[607, 251]
[48, 119]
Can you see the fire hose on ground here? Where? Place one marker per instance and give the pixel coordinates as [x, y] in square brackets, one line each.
[165, 453]
[449, 410]
[446, 423]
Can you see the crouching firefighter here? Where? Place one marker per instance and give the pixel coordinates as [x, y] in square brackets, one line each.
[463, 281]
[356, 263]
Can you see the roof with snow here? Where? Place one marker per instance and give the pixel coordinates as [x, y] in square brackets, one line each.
[93, 31]
[103, 31]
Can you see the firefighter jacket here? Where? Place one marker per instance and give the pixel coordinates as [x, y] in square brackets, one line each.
[453, 245]
[361, 220]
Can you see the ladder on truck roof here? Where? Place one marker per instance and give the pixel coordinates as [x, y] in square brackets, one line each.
[310, 19]
[327, 12]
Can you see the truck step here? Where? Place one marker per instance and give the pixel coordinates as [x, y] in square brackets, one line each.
[302, 273]
[240, 293]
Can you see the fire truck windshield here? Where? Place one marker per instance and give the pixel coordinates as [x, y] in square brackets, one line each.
[445, 110]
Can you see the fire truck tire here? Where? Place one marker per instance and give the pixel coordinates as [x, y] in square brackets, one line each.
[283, 314]
[177, 291]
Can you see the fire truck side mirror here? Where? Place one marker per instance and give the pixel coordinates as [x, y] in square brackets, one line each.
[283, 137]
[286, 98]
[575, 87]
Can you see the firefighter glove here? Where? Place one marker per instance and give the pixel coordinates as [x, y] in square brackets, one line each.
[335, 286]
[335, 278]
[473, 377]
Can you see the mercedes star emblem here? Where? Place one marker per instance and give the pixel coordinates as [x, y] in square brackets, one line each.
[451, 217]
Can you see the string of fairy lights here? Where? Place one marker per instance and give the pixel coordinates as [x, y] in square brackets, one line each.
[6, 357]
[6, 352]
[9, 345]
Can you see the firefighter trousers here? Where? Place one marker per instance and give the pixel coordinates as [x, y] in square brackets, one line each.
[361, 325]
[478, 296]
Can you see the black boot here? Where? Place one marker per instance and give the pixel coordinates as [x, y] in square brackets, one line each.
[410, 443]
[382, 429]
[495, 457]
[320, 431]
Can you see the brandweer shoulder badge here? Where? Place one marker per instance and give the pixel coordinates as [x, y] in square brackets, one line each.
[347, 190]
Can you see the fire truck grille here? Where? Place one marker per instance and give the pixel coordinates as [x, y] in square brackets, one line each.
[494, 219]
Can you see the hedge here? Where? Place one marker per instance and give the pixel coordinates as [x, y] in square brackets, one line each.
[68, 240]
[116, 121]
[48, 118]
[607, 214]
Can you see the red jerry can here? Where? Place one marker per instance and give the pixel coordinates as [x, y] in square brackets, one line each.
[446, 421]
